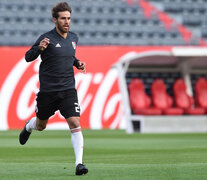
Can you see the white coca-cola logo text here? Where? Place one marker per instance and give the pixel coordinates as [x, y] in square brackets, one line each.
[94, 92]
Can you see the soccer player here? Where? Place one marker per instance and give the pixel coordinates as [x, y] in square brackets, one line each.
[57, 84]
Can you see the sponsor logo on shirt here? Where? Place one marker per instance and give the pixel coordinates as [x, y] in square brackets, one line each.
[58, 45]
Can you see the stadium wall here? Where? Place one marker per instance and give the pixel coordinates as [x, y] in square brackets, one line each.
[98, 89]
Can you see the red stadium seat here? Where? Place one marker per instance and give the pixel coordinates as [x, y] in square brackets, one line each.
[139, 100]
[162, 100]
[201, 93]
[183, 100]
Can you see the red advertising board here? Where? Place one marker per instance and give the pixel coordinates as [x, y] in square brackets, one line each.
[98, 90]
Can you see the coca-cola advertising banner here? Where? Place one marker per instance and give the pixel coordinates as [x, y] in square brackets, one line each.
[98, 90]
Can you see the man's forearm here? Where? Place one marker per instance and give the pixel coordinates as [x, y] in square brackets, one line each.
[76, 62]
[32, 54]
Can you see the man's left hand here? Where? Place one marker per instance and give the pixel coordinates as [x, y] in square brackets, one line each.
[82, 66]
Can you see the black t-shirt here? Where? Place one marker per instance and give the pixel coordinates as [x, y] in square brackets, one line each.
[56, 68]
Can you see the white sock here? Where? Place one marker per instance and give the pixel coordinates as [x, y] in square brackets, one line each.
[31, 125]
[77, 142]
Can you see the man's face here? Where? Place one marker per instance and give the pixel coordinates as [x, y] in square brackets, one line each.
[63, 21]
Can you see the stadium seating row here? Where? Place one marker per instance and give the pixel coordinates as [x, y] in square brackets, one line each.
[118, 24]
[161, 103]
[190, 13]
[148, 78]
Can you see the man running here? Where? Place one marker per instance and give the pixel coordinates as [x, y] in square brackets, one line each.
[57, 83]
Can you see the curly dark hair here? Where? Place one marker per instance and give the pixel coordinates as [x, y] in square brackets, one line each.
[59, 7]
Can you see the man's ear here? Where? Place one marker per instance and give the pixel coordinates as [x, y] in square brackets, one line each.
[54, 20]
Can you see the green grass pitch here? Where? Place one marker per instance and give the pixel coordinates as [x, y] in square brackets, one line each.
[109, 155]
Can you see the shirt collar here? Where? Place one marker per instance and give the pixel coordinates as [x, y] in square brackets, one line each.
[55, 31]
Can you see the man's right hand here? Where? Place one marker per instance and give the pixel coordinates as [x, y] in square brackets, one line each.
[44, 43]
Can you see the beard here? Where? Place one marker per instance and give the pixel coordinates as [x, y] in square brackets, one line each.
[61, 28]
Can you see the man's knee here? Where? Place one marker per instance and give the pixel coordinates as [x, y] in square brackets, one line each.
[41, 127]
[73, 122]
[41, 124]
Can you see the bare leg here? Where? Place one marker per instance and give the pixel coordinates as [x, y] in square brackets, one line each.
[33, 124]
[36, 124]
